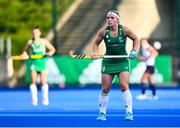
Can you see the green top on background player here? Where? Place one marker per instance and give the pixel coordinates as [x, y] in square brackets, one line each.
[38, 46]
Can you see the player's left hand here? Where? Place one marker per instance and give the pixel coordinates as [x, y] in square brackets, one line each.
[133, 54]
[46, 54]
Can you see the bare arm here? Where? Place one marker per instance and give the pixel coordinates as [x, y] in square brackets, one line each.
[50, 47]
[142, 58]
[153, 51]
[132, 36]
[27, 46]
[99, 38]
[24, 55]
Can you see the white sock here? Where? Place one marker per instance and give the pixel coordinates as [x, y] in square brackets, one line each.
[34, 92]
[103, 101]
[127, 97]
[45, 91]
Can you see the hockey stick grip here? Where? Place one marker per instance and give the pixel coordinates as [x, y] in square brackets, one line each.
[19, 57]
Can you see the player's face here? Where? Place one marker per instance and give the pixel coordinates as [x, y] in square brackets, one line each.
[111, 20]
[36, 33]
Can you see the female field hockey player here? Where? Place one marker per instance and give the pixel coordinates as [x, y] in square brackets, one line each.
[38, 46]
[149, 54]
[115, 36]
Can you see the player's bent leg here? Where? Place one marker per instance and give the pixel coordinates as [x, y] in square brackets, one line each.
[143, 95]
[127, 97]
[126, 93]
[103, 101]
[104, 96]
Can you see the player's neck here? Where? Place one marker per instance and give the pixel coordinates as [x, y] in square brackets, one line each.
[37, 40]
[114, 28]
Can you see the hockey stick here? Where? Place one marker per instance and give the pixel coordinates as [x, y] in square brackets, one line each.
[18, 57]
[85, 56]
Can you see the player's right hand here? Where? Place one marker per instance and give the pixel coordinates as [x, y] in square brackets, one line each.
[24, 56]
[94, 56]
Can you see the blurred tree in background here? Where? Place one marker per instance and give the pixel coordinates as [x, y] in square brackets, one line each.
[18, 17]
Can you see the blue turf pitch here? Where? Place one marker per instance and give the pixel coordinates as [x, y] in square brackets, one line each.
[79, 108]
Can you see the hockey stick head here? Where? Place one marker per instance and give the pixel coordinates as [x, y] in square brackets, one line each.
[72, 54]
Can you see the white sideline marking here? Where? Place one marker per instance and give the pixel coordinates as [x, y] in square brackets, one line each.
[81, 115]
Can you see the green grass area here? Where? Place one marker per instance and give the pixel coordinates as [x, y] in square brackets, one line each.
[18, 17]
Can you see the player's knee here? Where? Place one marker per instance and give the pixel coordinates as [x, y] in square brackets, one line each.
[124, 86]
[33, 83]
[143, 80]
[124, 89]
[106, 90]
[44, 83]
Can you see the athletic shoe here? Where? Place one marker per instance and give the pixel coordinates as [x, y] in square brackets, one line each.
[34, 102]
[141, 97]
[101, 117]
[129, 116]
[153, 98]
[45, 101]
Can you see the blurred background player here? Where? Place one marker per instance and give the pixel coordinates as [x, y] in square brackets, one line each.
[115, 36]
[148, 56]
[38, 46]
